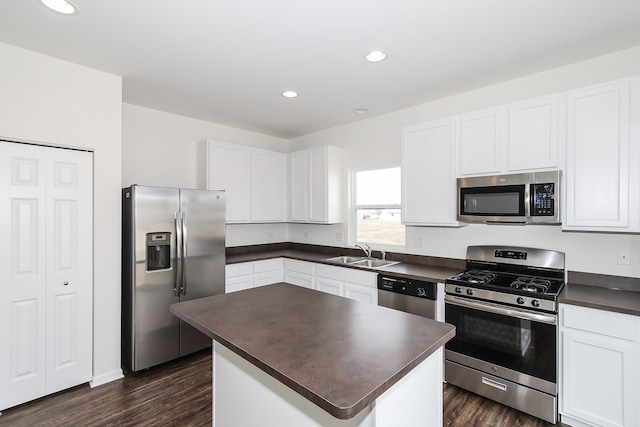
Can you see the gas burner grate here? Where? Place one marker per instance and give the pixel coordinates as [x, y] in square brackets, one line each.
[531, 284]
[477, 276]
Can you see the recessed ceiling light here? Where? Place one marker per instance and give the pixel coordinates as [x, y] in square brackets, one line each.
[60, 6]
[289, 94]
[376, 56]
[360, 111]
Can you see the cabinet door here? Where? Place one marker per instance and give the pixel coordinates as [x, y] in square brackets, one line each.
[481, 142]
[230, 170]
[268, 186]
[597, 379]
[317, 176]
[598, 168]
[598, 373]
[329, 286]
[45, 271]
[429, 174]
[298, 186]
[533, 134]
[361, 293]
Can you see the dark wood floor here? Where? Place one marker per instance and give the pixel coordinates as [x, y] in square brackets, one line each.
[179, 394]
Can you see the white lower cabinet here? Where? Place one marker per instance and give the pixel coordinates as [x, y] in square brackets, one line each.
[359, 285]
[46, 274]
[346, 282]
[247, 275]
[599, 370]
[299, 273]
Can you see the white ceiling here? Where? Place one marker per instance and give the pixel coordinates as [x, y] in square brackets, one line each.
[228, 61]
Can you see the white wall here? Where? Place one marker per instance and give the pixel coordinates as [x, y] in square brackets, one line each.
[58, 103]
[160, 148]
[376, 141]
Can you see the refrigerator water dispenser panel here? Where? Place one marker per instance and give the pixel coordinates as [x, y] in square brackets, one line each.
[158, 251]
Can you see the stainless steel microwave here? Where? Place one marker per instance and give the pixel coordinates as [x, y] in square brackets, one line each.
[524, 198]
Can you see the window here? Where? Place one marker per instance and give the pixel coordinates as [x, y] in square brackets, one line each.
[377, 206]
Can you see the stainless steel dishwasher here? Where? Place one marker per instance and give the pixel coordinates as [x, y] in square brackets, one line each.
[409, 295]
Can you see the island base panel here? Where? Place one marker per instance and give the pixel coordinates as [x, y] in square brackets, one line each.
[244, 395]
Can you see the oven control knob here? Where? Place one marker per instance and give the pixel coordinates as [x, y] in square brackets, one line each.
[535, 303]
[520, 300]
[469, 291]
[458, 290]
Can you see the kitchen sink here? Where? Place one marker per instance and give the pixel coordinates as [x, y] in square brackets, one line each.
[361, 261]
[346, 259]
[373, 263]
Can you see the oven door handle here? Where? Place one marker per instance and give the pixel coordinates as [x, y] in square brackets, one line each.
[550, 319]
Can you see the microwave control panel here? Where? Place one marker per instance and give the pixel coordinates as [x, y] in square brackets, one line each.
[542, 199]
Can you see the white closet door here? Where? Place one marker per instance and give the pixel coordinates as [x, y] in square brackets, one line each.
[46, 221]
[23, 273]
[69, 269]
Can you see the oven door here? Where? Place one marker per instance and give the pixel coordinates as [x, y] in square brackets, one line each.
[516, 344]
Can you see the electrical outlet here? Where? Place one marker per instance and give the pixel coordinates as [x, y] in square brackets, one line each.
[338, 237]
[417, 242]
[624, 256]
[306, 234]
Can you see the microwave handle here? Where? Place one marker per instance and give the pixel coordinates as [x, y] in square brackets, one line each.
[527, 200]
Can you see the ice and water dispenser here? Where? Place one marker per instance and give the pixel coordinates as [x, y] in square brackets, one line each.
[158, 251]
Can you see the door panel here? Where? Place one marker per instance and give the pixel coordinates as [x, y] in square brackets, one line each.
[204, 218]
[69, 268]
[156, 329]
[22, 273]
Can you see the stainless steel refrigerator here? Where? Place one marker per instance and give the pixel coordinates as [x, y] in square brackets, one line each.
[173, 249]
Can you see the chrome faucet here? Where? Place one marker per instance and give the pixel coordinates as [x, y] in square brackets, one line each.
[367, 251]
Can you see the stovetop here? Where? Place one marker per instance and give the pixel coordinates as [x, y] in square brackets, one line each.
[511, 283]
[524, 277]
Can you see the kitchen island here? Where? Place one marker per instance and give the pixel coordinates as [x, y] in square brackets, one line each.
[287, 355]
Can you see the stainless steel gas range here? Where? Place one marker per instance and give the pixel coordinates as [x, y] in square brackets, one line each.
[504, 307]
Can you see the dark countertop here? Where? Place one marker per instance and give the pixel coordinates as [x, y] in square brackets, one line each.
[404, 269]
[604, 292]
[616, 300]
[338, 353]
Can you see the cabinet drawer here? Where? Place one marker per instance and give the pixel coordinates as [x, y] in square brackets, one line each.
[599, 322]
[242, 269]
[267, 265]
[299, 266]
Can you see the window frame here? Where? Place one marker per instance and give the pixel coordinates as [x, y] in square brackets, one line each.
[354, 207]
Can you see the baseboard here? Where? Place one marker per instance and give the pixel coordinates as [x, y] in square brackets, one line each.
[106, 378]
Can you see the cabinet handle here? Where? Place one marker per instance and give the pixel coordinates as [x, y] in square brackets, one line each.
[65, 283]
[494, 384]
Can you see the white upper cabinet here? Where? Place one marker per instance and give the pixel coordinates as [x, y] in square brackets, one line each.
[254, 180]
[268, 186]
[315, 185]
[514, 138]
[429, 173]
[603, 164]
[532, 134]
[481, 135]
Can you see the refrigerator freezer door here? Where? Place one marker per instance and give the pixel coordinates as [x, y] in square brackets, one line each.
[203, 217]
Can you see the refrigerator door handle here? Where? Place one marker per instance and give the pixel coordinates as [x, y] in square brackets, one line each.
[177, 284]
[183, 286]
